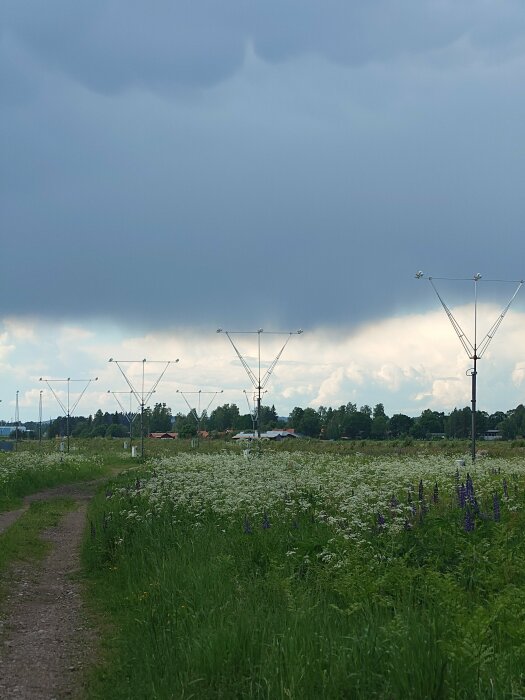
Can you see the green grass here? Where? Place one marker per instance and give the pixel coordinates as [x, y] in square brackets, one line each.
[27, 472]
[215, 612]
[21, 541]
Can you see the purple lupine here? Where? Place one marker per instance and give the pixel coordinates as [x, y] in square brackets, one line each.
[435, 494]
[496, 508]
[247, 528]
[469, 521]
[505, 488]
[380, 520]
[421, 493]
[394, 503]
[462, 496]
[470, 486]
[266, 522]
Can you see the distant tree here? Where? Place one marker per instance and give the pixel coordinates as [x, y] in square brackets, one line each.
[269, 418]
[311, 423]
[161, 419]
[224, 417]
[295, 419]
[379, 427]
[379, 411]
[458, 423]
[400, 424]
[428, 422]
[116, 431]
[357, 425]
[185, 426]
[495, 420]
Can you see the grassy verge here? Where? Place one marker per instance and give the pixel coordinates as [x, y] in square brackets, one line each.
[21, 542]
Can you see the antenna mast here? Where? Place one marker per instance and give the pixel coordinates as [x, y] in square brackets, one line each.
[142, 395]
[67, 408]
[130, 416]
[198, 414]
[259, 382]
[474, 350]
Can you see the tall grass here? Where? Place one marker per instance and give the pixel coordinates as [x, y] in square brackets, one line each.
[22, 473]
[290, 597]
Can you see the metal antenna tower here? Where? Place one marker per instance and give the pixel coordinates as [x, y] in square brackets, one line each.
[142, 394]
[474, 350]
[40, 418]
[252, 408]
[259, 382]
[129, 415]
[67, 408]
[17, 420]
[197, 413]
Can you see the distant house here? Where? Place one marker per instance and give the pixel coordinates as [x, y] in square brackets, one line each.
[7, 430]
[493, 435]
[164, 436]
[268, 435]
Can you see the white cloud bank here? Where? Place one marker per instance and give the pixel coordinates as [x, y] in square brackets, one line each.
[408, 362]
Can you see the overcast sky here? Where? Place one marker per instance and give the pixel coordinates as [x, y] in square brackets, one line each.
[173, 167]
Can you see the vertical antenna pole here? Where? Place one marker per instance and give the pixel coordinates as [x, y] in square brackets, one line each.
[259, 388]
[474, 375]
[68, 414]
[40, 419]
[17, 418]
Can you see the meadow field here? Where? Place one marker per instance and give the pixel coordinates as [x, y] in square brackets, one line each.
[320, 572]
[305, 570]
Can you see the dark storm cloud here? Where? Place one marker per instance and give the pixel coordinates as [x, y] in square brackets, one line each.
[154, 170]
[110, 45]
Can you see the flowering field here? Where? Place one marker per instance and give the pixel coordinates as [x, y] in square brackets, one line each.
[300, 575]
[25, 472]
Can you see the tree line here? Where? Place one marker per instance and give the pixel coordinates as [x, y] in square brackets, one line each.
[345, 422]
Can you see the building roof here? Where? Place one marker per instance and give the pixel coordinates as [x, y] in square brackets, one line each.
[268, 435]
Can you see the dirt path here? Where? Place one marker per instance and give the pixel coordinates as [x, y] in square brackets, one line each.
[44, 640]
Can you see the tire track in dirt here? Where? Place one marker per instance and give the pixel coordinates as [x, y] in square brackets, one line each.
[45, 642]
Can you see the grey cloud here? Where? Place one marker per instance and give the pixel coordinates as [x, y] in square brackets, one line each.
[113, 45]
[296, 193]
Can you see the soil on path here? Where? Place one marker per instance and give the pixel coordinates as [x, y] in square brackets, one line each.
[45, 643]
